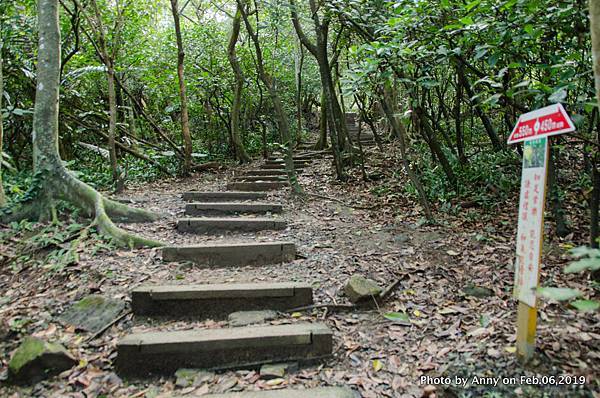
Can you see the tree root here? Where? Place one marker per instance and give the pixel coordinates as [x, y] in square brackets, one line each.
[60, 184]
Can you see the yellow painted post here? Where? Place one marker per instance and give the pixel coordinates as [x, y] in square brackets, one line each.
[526, 328]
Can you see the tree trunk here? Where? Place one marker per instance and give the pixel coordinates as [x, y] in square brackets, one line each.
[299, 63]
[2, 195]
[322, 142]
[185, 124]
[400, 132]
[319, 51]
[434, 145]
[487, 124]
[53, 181]
[594, 203]
[555, 197]
[460, 142]
[112, 126]
[282, 120]
[238, 145]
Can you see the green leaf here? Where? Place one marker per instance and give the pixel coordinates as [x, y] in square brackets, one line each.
[467, 21]
[592, 264]
[585, 251]
[397, 317]
[558, 293]
[586, 305]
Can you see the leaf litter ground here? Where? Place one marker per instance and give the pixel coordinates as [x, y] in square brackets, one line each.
[443, 331]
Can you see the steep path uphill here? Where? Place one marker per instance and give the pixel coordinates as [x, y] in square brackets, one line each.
[244, 207]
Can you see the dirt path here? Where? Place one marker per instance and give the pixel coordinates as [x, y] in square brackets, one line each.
[449, 333]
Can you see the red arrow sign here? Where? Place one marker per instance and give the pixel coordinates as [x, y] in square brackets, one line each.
[551, 120]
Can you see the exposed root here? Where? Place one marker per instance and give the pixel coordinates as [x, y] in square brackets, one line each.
[62, 185]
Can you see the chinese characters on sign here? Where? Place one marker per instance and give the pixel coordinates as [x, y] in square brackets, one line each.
[531, 218]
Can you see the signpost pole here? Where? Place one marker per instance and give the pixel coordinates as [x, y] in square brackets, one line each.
[526, 327]
[534, 129]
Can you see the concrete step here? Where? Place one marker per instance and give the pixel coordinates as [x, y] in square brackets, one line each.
[200, 209]
[257, 186]
[282, 178]
[232, 254]
[320, 392]
[233, 224]
[267, 172]
[144, 354]
[218, 300]
[227, 196]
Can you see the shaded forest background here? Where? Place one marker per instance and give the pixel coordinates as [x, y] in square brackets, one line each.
[440, 84]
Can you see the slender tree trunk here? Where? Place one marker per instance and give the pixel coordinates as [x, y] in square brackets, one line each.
[185, 124]
[434, 145]
[238, 145]
[112, 127]
[299, 64]
[400, 132]
[555, 199]
[487, 124]
[458, 126]
[594, 203]
[322, 142]
[282, 120]
[319, 51]
[2, 195]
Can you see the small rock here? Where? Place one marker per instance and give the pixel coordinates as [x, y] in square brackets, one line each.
[244, 318]
[92, 313]
[360, 288]
[36, 360]
[401, 238]
[478, 291]
[277, 370]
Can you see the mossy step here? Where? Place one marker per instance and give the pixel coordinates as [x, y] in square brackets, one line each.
[145, 354]
[216, 301]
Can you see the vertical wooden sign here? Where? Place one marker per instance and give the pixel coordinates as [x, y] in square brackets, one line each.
[533, 129]
[529, 242]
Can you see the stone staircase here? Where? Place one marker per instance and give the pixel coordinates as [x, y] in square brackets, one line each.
[366, 137]
[142, 355]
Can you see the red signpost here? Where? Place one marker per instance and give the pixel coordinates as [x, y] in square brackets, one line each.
[544, 122]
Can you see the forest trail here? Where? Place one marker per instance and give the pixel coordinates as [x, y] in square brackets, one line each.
[332, 233]
[164, 353]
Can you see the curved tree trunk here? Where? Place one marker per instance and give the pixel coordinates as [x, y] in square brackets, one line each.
[185, 123]
[282, 120]
[53, 181]
[238, 145]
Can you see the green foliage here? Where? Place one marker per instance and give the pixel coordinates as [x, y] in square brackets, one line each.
[589, 259]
